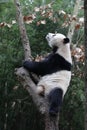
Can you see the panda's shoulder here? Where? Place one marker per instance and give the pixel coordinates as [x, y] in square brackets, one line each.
[60, 60]
[57, 56]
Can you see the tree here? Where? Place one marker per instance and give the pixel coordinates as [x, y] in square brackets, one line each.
[51, 123]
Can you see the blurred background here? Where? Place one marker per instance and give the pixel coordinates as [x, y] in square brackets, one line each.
[17, 111]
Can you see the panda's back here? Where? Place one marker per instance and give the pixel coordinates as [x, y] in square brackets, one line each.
[59, 79]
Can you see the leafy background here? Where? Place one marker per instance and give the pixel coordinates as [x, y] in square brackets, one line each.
[17, 110]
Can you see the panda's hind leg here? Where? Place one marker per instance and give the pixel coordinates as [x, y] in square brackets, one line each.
[55, 101]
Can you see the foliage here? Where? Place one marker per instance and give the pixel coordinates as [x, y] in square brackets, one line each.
[16, 109]
[72, 114]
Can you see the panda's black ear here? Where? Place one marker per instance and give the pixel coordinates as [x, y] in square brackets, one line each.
[66, 40]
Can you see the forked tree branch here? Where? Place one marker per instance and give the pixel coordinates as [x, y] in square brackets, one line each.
[21, 72]
[28, 84]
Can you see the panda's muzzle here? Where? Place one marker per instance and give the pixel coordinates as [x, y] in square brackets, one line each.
[47, 38]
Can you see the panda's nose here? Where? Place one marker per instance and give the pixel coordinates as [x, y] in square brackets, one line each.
[47, 37]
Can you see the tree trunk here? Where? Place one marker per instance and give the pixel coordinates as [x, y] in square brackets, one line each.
[51, 123]
[85, 46]
[23, 76]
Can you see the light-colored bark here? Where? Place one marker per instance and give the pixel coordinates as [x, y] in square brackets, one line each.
[28, 84]
[23, 34]
[51, 123]
[73, 23]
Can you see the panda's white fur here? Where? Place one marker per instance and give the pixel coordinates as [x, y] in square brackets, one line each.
[60, 79]
[63, 49]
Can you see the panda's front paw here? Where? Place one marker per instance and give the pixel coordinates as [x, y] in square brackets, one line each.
[27, 64]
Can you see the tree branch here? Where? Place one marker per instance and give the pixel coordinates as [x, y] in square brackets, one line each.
[21, 73]
[23, 34]
[28, 84]
[72, 26]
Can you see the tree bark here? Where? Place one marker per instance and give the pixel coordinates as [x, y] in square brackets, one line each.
[23, 34]
[72, 26]
[51, 123]
[41, 103]
[85, 46]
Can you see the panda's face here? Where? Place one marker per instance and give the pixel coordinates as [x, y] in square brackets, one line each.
[56, 40]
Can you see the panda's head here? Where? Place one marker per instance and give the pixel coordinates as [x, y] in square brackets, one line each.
[57, 40]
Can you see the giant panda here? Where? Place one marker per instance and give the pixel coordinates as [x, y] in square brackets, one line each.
[55, 71]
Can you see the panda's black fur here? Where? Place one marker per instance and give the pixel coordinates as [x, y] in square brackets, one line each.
[51, 64]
